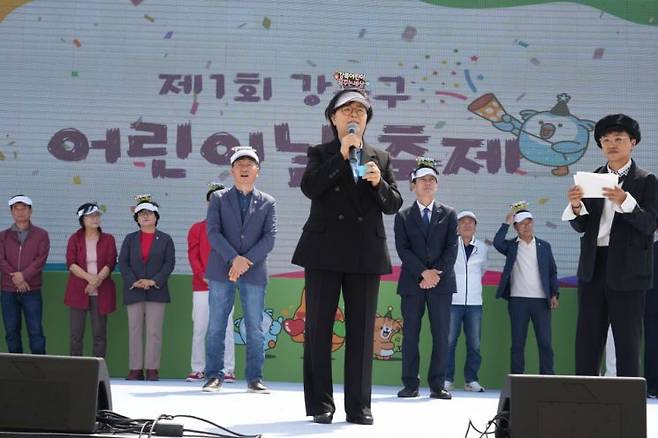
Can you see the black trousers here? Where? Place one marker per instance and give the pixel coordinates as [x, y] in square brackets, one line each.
[598, 306]
[651, 340]
[438, 310]
[360, 297]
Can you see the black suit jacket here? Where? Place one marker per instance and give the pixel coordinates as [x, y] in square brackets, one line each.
[159, 266]
[419, 251]
[345, 229]
[630, 253]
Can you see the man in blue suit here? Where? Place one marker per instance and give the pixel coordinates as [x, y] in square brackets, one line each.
[529, 283]
[241, 229]
[426, 241]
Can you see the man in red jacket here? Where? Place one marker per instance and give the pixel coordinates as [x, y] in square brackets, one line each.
[198, 249]
[24, 249]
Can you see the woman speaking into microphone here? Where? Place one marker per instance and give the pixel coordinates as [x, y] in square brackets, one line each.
[343, 247]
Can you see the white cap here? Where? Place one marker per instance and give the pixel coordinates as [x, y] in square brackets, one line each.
[522, 215]
[244, 151]
[422, 171]
[91, 209]
[352, 96]
[146, 206]
[467, 213]
[19, 198]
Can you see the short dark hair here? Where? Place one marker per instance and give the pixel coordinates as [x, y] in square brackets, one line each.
[157, 215]
[330, 110]
[617, 123]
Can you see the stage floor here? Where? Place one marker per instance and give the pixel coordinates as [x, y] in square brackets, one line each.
[281, 413]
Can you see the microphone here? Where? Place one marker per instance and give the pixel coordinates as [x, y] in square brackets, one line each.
[352, 128]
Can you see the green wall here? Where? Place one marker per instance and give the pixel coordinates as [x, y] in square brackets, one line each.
[284, 362]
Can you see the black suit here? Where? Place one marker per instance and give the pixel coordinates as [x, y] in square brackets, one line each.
[343, 245]
[419, 250]
[612, 279]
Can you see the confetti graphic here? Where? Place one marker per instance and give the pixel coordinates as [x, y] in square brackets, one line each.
[136, 2]
[362, 33]
[439, 125]
[169, 34]
[534, 61]
[551, 225]
[76, 180]
[75, 74]
[598, 53]
[76, 43]
[521, 96]
[2, 156]
[267, 23]
[208, 64]
[409, 33]
[467, 76]
[451, 94]
[149, 18]
[542, 201]
[195, 107]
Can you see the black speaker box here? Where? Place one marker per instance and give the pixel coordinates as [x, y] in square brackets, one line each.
[533, 406]
[52, 393]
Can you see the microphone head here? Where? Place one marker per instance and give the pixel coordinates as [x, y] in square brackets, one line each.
[352, 128]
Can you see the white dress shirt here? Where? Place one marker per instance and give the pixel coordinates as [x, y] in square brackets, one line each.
[525, 280]
[423, 207]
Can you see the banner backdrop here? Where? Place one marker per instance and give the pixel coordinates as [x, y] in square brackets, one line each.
[103, 100]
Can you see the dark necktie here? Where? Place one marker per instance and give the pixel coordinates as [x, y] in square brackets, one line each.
[426, 219]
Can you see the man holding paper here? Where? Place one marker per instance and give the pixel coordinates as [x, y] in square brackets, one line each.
[616, 258]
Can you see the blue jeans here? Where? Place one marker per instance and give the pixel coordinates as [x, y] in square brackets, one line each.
[32, 306]
[220, 302]
[471, 318]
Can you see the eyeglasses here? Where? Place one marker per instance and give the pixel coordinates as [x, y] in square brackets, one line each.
[616, 141]
[359, 111]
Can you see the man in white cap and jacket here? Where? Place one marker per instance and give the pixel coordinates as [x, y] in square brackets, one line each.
[466, 309]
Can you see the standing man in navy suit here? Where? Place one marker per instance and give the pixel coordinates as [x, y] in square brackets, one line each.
[616, 256]
[529, 283]
[241, 229]
[426, 241]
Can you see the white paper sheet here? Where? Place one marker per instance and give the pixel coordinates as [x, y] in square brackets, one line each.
[593, 183]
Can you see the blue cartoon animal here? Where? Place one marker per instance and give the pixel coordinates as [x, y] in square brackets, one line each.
[271, 329]
[553, 138]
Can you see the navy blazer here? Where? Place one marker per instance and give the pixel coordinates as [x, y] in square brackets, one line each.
[418, 252]
[545, 260]
[161, 261]
[630, 254]
[229, 237]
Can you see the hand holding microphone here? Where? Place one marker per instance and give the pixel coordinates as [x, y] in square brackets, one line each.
[351, 141]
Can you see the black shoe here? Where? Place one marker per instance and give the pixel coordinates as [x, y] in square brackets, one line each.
[360, 419]
[442, 394]
[323, 418]
[408, 392]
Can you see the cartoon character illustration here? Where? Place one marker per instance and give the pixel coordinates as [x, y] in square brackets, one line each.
[295, 325]
[385, 329]
[271, 328]
[553, 138]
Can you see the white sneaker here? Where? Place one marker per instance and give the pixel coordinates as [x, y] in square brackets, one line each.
[448, 385]
[473, 387]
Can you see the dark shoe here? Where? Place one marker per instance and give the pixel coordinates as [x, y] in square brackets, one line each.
[408, 392]
[152, 375]
[324, 418]
[442, 394]
[257, 387]
[135, 375]
[212, 385]
[652, 393]
[360, 419]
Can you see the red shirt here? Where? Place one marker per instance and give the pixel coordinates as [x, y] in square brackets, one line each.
[198, 249]
[146, 240]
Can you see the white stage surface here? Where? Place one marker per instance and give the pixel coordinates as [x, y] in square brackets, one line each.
[281, 413]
